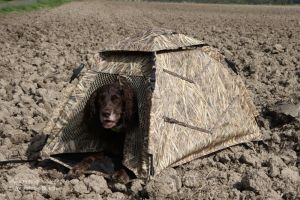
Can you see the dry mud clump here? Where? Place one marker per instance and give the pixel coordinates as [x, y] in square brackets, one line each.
[39, 49]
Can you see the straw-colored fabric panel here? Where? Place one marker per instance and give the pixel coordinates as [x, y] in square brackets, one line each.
[155, 40]
[213, 53]
[175, 142]
[204, 105]
[128, 64]
[182, 101]
[201, 98]
[237, 126]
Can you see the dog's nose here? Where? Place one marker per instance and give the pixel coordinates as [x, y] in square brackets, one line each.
[106, 114]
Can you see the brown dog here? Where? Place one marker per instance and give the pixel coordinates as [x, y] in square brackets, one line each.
[108, 114]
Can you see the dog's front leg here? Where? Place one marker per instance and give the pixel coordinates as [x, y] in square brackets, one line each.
[85, 164]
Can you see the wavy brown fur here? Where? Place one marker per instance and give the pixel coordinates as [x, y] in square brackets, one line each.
[129, 112]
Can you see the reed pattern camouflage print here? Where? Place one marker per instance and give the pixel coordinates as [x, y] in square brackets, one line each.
[190, 103]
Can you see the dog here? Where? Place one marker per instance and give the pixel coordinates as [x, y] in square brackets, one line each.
[110, 112]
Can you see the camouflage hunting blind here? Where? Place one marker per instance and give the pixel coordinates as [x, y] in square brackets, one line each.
[189, 103]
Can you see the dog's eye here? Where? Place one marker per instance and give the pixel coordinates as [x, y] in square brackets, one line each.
[102, 97]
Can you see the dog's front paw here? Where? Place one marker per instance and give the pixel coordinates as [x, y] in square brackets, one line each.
[121, 176]
[74, 173]
[77, 170]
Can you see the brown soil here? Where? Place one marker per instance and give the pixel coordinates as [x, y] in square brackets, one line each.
[39, 49]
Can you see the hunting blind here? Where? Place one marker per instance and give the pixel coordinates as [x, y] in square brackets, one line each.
[189, 103]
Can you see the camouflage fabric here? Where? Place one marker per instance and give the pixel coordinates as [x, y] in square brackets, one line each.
[190, 104]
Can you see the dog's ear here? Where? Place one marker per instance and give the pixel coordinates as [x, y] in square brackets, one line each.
[128, 102]
[91, 111]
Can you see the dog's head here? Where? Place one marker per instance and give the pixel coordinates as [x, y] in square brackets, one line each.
[110, 106]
